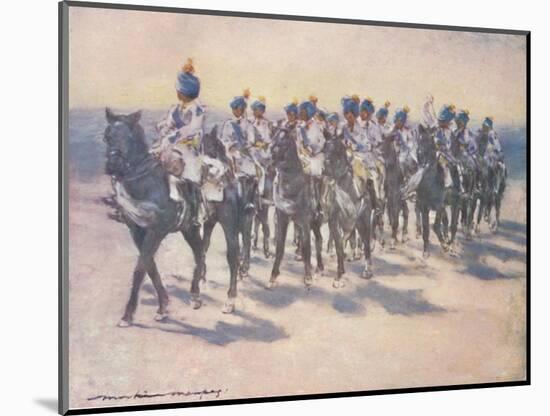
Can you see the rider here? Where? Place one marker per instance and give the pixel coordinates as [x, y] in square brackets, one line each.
[291, 111]
[179, 140]
[464, 143]
[237, 134]
[374, 136]
[262, 132]
[487, 142]
[311, 142]
[333, 124]
[444, 139]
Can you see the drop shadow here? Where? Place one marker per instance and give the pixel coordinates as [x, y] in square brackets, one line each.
[48, 404]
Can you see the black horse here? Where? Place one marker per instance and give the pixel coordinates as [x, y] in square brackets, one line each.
[431, 192]
[143, 199]
[349, 204]
[496, 188]
[230, 214]
[395, 179]
[263, 202]
[293, 198]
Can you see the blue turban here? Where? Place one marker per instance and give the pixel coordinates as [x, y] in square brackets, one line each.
[258, 104]
[332, 117]
[350, 105]
[367, 105]
[309, 107]
[401, 114]
[188, 84]
[237, 102]
[463, 116]
[382, 112]
[446, 114]
[291, 108]
[488, 122]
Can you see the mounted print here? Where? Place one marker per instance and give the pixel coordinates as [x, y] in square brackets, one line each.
[266, 207]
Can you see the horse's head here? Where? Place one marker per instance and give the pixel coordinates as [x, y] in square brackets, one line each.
[283, 147]
[336, 157]
[125, 141]
[426, 144]
[212, 145]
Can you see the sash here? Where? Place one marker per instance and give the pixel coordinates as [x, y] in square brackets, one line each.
[238, 133]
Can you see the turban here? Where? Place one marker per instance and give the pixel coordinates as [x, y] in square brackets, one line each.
[187, 83]
[309, 108]
[258, 104]
[237, 102]
[401, 114]
[292, 107]
[332, 117]
[367, 105]
[488, 122]
[383, 111]
[447, 113]
[351, 105]
[463, 116]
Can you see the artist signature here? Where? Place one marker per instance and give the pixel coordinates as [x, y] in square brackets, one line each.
[146, 395]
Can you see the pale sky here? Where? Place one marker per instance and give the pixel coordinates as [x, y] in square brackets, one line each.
[129, 59]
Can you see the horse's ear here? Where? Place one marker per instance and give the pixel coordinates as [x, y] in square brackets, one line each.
[214, 131]
[421, 128]
[111, 117]
[133, 118]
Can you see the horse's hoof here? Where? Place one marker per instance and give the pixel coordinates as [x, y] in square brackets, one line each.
[124, 323]
[337, 284]
[229, 306]
[196, 302]
[445, 248]
[404, 238]
[267, 254]
[319, 272]
[308, 281]
[271, 285]
[367, 274]
[159, 317]
[425, 255]
[392, 246]
[298, 257]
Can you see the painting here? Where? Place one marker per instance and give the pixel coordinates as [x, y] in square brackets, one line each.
[263, 207]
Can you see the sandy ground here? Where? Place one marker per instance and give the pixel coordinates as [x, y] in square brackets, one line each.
[447, 321]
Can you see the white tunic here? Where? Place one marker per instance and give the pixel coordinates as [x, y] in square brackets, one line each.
[311, 141]
[180, 133]
[237, 135]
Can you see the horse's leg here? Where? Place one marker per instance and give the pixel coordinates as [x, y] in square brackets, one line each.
[418, 221]
[316, 227]
[265, 229]
[298, 235]
[231, 231]
[444, 223]
[193, 238]
[437, 228]
[405, 229]
[425, 214]
[455, 211]
[306, 251]
[138, 234]
[207, 232]
[364, 229]
[282, 226]
[394, 222]
[246, 231]
[150, 244]
[337, 237]
[255, 234]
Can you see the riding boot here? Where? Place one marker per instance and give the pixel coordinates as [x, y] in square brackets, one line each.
[191, 194]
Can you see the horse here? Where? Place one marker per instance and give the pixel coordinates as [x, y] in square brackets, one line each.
[293, 198]
[349, 204]
[431, 192]
[468, 197]
[263, 202]
[394, 181]
[143, 200]
[229, 212]
[497, 186]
